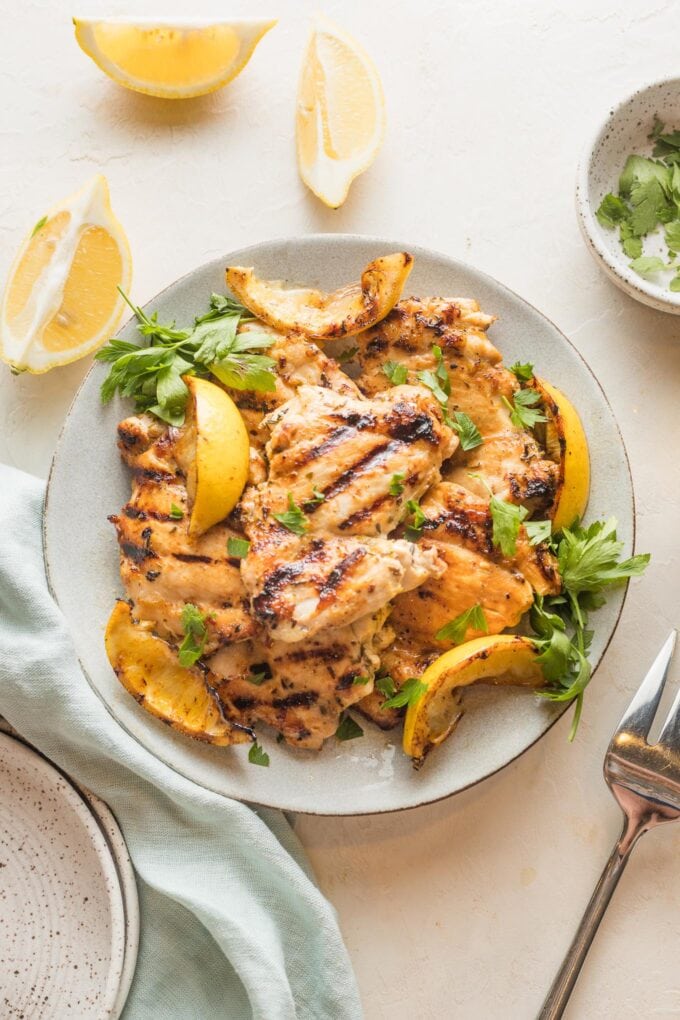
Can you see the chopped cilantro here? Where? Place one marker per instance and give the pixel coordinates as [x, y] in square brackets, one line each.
[361, 680]
[415, 528]
[538, 531]
[176, 512]
[648, 264]
[385, 685]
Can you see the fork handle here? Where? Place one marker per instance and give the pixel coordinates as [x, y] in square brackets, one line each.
[563, 985]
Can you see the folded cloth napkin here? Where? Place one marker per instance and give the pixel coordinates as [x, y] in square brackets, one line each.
[232, 923]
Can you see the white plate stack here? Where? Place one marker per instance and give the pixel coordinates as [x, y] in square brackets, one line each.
[69, 913]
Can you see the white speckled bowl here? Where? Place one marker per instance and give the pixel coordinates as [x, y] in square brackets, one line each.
[624, 131]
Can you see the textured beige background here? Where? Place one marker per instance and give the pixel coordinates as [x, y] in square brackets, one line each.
[462, 909]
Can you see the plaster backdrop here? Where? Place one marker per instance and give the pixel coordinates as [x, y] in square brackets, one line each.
[462, 909]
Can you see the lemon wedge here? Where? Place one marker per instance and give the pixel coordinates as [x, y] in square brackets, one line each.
[495, 659]
[149, 670]
[340, 118]
[169, 59]
[219, 461]
[565, 441]
[61, 300]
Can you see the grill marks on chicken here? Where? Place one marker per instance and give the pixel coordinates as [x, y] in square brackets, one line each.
[305, 685]
[300, 618]
[510, 460]
[335, 455]
[161, 567]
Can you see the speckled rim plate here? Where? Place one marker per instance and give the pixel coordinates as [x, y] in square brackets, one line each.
[62, 940]
[369, 775]
[624, 131]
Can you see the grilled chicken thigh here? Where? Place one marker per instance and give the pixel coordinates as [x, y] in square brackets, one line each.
[336, 458]
[300, 689]
[459, 528]
[162, 568]
[509, 460]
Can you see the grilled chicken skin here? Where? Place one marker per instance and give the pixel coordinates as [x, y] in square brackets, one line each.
[459, 527]
[300, 689]
[336, 458]
[510, 460]
[161, 567]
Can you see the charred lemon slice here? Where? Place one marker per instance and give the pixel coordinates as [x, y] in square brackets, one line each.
[342, 313]
[218, 463]
[148, 669]
[498, 659]
[565, 442]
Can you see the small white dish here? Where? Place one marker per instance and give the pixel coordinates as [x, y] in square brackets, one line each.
[624, 131]
[62, 917]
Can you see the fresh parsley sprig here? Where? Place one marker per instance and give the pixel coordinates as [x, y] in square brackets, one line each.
[152, 373]
[414, 528]
[589, 560]
[409, 693]
[523, 412]
[506, 519]
[468, 433]
[348, 729]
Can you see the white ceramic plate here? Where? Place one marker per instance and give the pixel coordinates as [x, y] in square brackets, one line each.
[62, 930]
[624, 131]
[88, 481]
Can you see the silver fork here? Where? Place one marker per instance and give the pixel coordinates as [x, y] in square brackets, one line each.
[645, 779]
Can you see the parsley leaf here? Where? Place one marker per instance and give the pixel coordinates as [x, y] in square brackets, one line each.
[293, 519]
[315, 499]
[612, 210]
[438, 380]
[506, 519]
[238, 548]
[648, 264]
[631, 245]
[258, 756]
[385, 685]
[397, 483]
[538, 531]
[415, 528]
[258, 678]
[39, 225]
[468, 433]
[472, 618]
[348, 729]
[410, 693]
[589, 562]
[195, 635]
[344, 356]
[674, 285]
[523, 372]
[176, 512]
[361, 680]
[523, 414]
[152, 372]
[395, 372]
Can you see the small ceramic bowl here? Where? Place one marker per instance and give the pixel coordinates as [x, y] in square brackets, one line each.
[624, 131]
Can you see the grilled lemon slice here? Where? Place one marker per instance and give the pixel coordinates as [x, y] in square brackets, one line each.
[219, 461]
[565, 441]
[61, 300]
[148, 668]
[496, 659]
[169, 59]
[344, 312]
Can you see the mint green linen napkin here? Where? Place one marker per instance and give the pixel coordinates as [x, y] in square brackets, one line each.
[233, 925]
